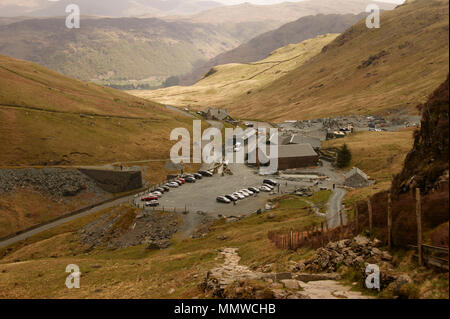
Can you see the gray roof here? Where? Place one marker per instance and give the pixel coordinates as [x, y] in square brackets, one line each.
[302, 139]
[290, 150]
[296, 150]
[356, 170]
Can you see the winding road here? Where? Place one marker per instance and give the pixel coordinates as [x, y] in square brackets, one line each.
[334, 207]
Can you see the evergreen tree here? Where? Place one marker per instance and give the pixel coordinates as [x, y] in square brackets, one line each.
[344, 157]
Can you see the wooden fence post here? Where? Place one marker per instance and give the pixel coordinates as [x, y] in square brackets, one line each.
[419, 226]
[328, 233]
[290, 240]
[389, 221]
[356, 218]
[322, 234]
[369, 207]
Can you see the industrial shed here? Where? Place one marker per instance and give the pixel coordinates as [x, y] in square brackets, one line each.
[294, 156]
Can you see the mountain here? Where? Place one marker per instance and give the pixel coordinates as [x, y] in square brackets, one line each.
[229, 82]
[48, 118]
[363, 71]
[260, 47]
[116, 48]
[110, 8]
[282, 12]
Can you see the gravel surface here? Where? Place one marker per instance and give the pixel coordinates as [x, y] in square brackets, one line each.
[53, 181]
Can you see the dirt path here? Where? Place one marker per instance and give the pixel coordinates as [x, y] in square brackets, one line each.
[230, 271]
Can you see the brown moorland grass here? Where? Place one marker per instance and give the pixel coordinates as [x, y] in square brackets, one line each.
[48, 118]
[29, 270]
[363, 71]
[378, 154]
[229, 82]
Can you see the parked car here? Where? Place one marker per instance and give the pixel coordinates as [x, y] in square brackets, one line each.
[161, 189]
[238, 195]
[198, 176]
[270, 182]
[148, 198]
[232, 197]
[205, 173]
[173, 185]
[246, 191]
[254, 189]
[157, 193]
[265, 189]
[190, 180]
[269, 186]
[222, 199]
[152, 203]
[182, 180]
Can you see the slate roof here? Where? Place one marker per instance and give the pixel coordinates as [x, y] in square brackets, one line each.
[302, 139]
[295, 150]
[356, 170]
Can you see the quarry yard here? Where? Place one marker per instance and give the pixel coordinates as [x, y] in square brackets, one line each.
[199, 198]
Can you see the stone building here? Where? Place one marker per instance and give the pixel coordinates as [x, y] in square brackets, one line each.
[356, 178]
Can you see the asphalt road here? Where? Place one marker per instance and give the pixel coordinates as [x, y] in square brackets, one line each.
[334, 207]
[43, 228]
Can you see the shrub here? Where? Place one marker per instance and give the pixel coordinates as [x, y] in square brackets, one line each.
[344, 157]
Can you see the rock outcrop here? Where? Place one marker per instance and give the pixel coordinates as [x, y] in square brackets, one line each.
[233, 281]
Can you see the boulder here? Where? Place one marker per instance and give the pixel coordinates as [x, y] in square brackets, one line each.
[361, 240]
[290, 284]
[282, 276]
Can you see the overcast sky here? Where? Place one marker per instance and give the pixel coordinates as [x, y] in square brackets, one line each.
[278, 1]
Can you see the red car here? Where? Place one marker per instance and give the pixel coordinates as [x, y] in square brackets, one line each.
[149, 198]
[182, 180]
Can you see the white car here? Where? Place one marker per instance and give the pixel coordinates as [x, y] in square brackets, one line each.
[173, 185]
[268, 186]
[265, 189]
[246, 194]
[223, 199]
[238, 195]
[157, 193]
[247, 191]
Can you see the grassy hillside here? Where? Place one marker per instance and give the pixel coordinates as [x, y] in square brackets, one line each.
[230, 82]
[261, 46]
[145, 273]
[48, 118]
[379, 154]
[364, 70]
[120, 48]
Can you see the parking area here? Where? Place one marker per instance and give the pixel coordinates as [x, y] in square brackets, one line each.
[201, 196]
